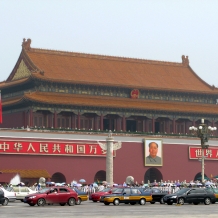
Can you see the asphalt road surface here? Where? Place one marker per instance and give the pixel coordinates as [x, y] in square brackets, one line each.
[99, 210]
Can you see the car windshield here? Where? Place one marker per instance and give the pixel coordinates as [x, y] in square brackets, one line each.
[106, 190]
[114, 190]
[9, 189]
[118, 191]
[214, 190]
[44, 190]
[75, 189]
[181, 191]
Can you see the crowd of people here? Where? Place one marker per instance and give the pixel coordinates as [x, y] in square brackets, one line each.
[167, 186]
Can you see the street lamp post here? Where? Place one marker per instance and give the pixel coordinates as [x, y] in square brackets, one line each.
[203, 132]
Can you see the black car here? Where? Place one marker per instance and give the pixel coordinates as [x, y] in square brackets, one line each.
[157, 195]
[190, 195]
[2, 197]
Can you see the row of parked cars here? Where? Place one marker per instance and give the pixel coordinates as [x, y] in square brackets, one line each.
[50, 195]
[153, 195]
[64, 195]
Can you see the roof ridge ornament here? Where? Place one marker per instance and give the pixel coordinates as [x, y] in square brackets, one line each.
[26, 44]
[185, 61]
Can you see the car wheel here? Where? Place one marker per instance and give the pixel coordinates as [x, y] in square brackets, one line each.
[195, 203]
[142, 201]
[94, 201]
[78, 201]
[62, 204]
[21, 200]
[71, 202]
[6, 202]
[162, 201]
[181, 201]
[116, 202]
[31, 204]
[207, 201]
[169, 203]
[41, 202]
[106, 203]
[152, 202]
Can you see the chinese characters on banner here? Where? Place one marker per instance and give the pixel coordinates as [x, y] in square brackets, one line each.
[51, 148]
[210, 154]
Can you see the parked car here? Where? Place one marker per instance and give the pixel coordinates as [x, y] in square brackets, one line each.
[21, 191]
[82, 196]
[2, 197]
[190, 195]
[214, 191]
[52, 195]
[97, 195]
[126, 195]
[157, 195]
[9, 196]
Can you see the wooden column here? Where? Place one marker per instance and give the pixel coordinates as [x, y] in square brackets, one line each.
[212, 123]
[124, 124]
[30, 123]
[55, 120]
[167, 126]
[24, 119]
[146, 123]
[49, 120]
[174, 125]
[110, 124]
[95, 122]
[101, 122]
[153, 124]
[73, 121]
[118, 126]
[193, 122]
[78, 120]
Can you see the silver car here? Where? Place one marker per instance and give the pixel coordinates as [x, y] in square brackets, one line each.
[21, 192]
[9, 196]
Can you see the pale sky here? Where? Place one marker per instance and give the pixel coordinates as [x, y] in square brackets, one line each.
[149, 29]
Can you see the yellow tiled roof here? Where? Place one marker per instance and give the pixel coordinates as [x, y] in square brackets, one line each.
[28, 173]
[115, 102]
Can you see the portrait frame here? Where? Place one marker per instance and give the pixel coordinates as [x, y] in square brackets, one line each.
[149, 161]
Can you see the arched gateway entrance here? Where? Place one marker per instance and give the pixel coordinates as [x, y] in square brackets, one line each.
[198, 177]
[153, 174]
[58, 177]
[100, 176]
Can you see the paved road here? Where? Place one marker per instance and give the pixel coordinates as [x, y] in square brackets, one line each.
[98, 210]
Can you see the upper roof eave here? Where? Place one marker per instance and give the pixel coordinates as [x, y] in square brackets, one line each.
[124, 103]
[41, 77]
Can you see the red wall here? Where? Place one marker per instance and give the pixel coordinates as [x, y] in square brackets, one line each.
[12, 120]
[129, 161]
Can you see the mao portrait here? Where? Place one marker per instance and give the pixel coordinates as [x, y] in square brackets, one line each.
[153, 152]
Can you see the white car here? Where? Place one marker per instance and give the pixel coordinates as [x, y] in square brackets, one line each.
[9, 196]
[21, 192]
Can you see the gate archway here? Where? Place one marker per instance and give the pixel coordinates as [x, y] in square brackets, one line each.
[198, 176]
[58, 177]
[153, 174]
[100, 176]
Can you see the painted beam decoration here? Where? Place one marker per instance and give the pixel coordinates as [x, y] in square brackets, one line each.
[64, 148]
[210, 154]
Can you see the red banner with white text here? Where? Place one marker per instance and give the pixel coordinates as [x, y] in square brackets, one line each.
[51, 148]
[210, 154]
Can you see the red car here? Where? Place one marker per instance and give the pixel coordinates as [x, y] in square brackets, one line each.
[96, 196]
[52, 195]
